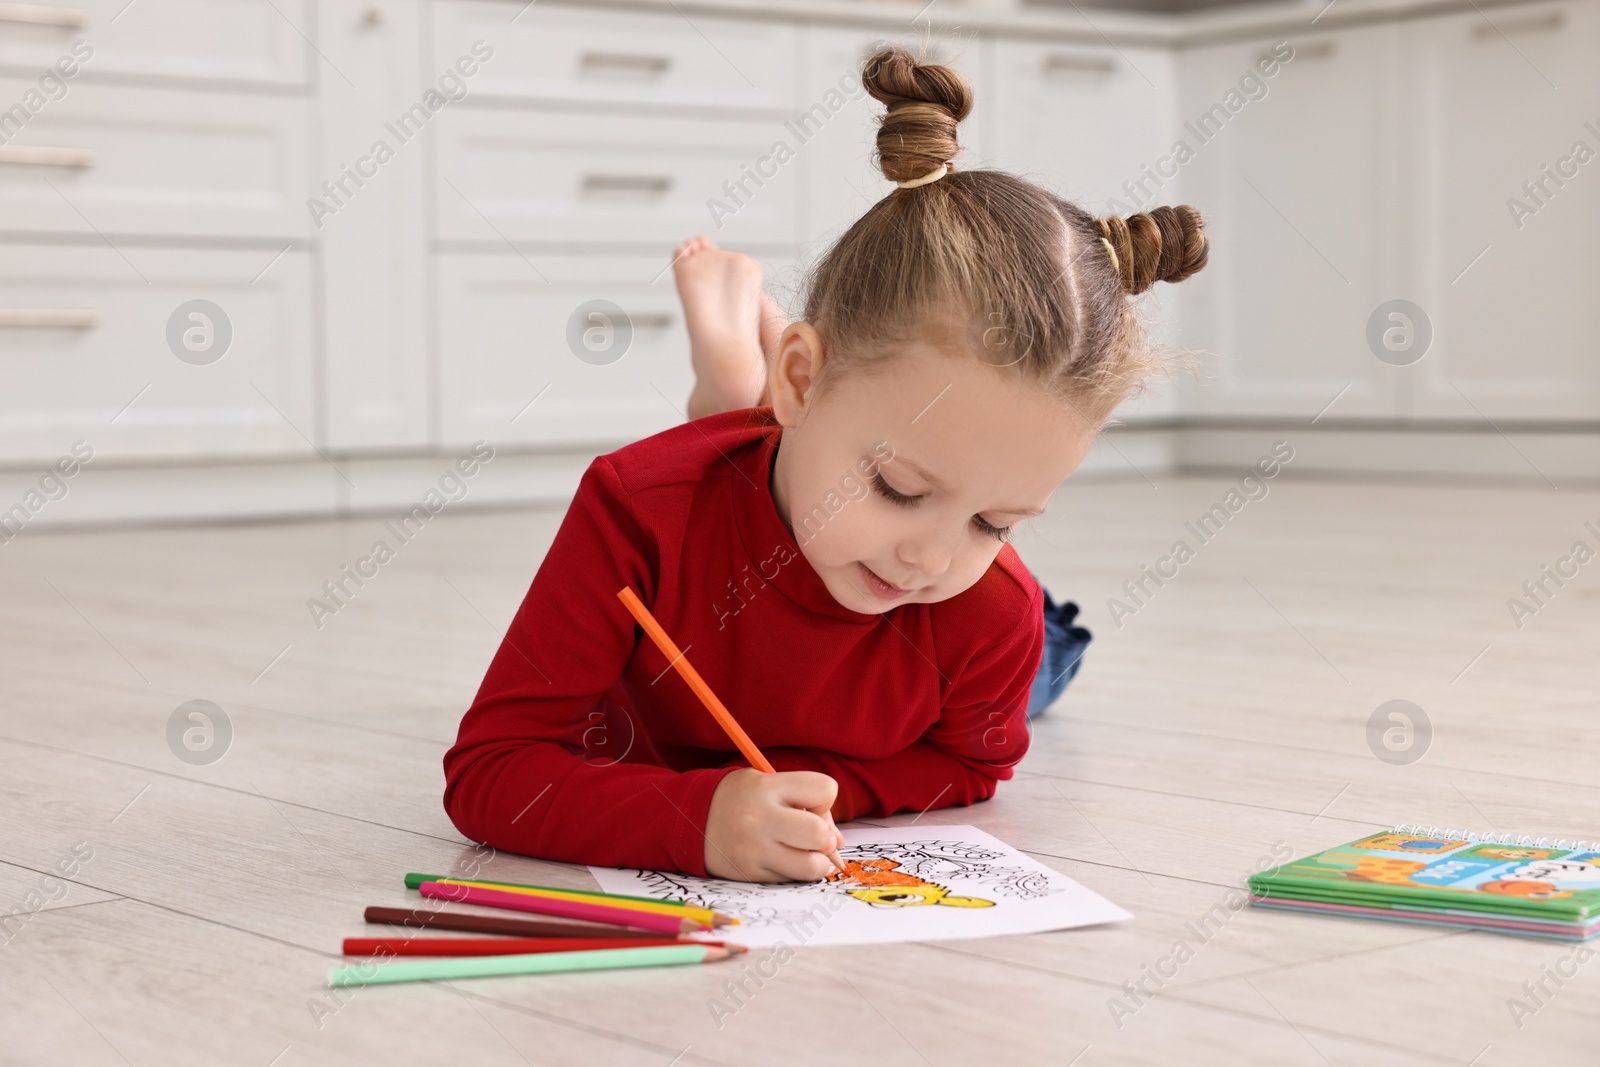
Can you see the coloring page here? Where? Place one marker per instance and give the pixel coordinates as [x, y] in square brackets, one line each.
[906, 883]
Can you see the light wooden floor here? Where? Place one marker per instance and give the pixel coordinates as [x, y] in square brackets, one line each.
[1226, 717]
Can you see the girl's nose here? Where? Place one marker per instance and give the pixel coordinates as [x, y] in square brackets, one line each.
[930, 555]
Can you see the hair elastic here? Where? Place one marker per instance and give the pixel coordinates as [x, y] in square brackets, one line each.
[932, 176]
[1112, 252]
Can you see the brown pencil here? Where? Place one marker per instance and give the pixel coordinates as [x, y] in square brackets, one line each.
[494, 924]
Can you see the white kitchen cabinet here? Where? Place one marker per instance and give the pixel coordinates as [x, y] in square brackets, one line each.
[375, 246]
[609, 56]
[1087, 122]
[1511, 291]
[837, 152]
[515, 175]
[84, 353]
[261, 43]
[509, 375]
[432, 304]
[1300, 192]
[126, 159]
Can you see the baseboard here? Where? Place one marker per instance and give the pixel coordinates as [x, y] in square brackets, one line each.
[107, 494]
[297, 490]
[1551, 459]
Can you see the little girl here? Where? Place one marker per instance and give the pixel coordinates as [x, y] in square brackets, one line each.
[833, 561]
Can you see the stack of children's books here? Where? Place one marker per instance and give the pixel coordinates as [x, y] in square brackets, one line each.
[1423, 874]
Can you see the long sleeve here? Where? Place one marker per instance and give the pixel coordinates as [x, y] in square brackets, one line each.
[980, 735]
[517, 778]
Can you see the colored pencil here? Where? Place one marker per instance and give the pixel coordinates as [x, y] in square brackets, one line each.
[497, 924]
[678, 660]
[725, 719]
[491, 946]
[433, 970]
[414, 879]
[567, 909]
[707, 916]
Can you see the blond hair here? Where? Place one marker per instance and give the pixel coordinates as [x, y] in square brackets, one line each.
[1026, 279]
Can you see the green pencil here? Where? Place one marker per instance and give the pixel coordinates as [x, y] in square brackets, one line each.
[413, 880]
[604, 959]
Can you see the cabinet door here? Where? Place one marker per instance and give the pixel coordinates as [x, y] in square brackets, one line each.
[1090, 124]
[104, 345]
[1298, 190]
[511, 369]
[1508, 208]
[375, 244]
[836, 156]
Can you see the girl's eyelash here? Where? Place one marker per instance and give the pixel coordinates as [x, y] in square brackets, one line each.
[1003, 533]
[888, 492]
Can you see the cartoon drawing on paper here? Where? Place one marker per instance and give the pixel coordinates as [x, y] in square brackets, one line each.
[879, 874]
[877, 882]
[898, 884]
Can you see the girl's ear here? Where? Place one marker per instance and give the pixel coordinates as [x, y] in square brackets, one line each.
[792, 378]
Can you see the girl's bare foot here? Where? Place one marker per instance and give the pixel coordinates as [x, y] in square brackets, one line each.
[731, 324]
[773, 320]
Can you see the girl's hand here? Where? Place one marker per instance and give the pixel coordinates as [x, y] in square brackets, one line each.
[772, 827]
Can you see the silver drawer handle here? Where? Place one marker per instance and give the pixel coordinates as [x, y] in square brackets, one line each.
[1314, 50]
[38, 156]
[1079, 64]
[625, 183]
[1552, 20]
[623, 61]
[658, 321]
[39, 15]
[69, 318]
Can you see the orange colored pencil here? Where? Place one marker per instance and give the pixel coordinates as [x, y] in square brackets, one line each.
[724, 718]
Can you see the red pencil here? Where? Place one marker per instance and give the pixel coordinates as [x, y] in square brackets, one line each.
[492, 946]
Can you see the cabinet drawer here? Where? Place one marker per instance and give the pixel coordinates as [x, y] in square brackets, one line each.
[503, 342]
[84, 331]
[157, 161]
[551, 177]
[232, 41]
[571, 54]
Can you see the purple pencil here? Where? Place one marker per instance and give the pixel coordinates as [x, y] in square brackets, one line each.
[569, 909]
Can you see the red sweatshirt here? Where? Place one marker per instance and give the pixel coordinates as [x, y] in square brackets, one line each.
[583, 744]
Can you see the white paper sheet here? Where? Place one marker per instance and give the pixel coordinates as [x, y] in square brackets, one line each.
[910, 883]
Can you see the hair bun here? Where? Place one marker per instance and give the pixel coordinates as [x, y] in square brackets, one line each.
[1166, 244]
[925, 104]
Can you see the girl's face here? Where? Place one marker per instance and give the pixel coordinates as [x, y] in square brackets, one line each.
[901, 482]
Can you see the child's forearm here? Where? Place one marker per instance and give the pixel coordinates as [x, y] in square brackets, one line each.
[538, 799]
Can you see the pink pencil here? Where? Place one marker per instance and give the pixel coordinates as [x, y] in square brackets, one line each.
[568, 909]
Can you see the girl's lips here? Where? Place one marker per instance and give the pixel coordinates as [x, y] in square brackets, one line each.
[880, 588]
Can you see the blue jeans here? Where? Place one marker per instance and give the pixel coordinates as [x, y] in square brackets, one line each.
[1064, 645]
